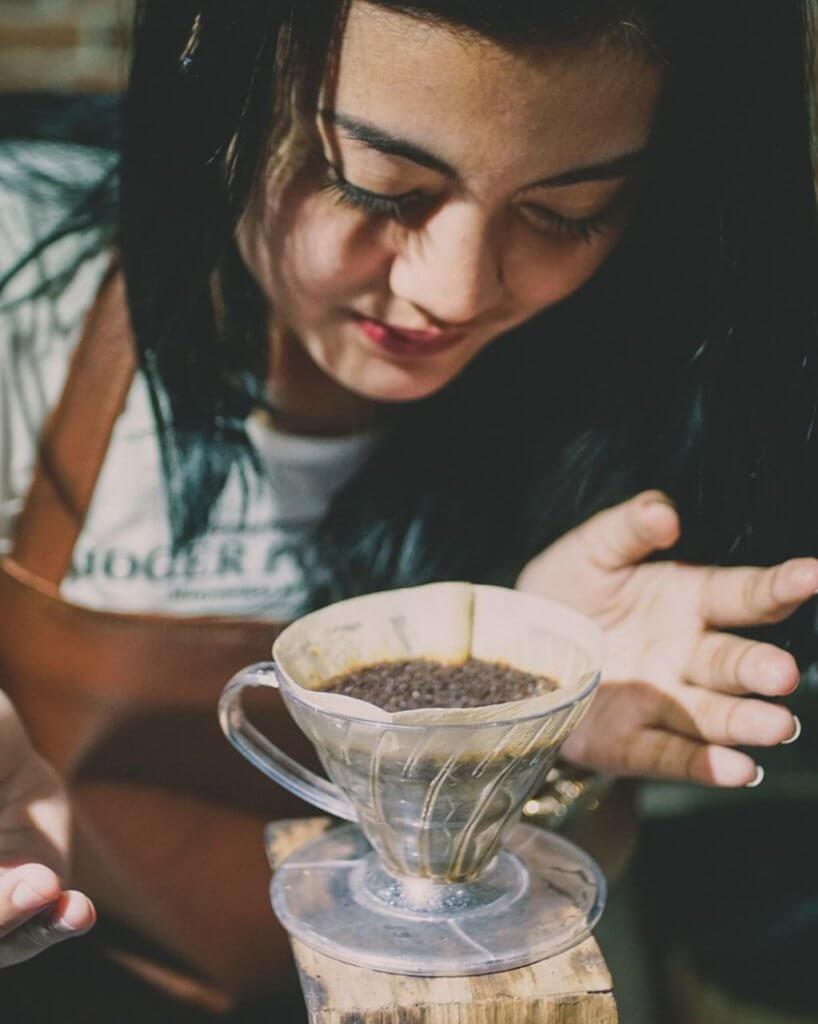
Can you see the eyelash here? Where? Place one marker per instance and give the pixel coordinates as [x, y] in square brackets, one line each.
[585, 229]
[396, 207]
[347, 194]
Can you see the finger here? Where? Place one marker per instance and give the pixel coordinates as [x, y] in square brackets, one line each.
[74, 914]
[748, 597]
[732, 664]
[33, 937]
[24, 892]
[626, 534]
[666, 755]
[727, 721]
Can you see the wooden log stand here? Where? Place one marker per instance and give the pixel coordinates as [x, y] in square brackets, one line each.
[572, 988]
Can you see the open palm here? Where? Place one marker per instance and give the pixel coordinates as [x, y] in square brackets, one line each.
[677, 693]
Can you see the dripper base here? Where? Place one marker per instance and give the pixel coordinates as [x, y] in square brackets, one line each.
[540, 896]
[427, 899]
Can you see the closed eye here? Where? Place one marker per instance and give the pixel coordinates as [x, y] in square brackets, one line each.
[397, 207]
[374, 203]
[584, 228]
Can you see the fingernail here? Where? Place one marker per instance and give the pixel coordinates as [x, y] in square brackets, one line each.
[759, 778]
[25, 898]
[61, 925]
[796, 732]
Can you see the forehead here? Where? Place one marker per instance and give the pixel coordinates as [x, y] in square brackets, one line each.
[466, 98]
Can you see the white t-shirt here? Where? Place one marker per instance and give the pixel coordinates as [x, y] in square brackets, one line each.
[122, 559]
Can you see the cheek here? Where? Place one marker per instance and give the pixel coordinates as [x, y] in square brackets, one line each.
[320, 252]
[556, 270]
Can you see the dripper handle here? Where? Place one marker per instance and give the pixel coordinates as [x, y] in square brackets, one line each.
[265, 755]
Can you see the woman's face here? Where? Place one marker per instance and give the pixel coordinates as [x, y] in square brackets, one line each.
[456, 189]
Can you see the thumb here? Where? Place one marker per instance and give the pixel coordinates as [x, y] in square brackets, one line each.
[626, 534]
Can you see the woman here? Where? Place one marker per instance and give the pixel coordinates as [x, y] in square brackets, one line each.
[415, 289]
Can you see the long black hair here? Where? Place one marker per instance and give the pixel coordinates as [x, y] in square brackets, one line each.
[688, 362]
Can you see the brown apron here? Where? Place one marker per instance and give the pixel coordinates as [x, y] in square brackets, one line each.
[168, 817]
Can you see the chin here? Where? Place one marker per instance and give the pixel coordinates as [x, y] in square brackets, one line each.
[383, 380]
[396, 388]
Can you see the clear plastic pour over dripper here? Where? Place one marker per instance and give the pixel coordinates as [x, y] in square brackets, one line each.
[437, 877]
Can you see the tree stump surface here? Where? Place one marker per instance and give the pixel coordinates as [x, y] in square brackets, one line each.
[571, 988]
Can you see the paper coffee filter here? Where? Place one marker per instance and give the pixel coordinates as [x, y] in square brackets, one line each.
[432, 621]
[529, 633]
[445, 622]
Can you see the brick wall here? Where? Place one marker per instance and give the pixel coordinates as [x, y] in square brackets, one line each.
[79, 45]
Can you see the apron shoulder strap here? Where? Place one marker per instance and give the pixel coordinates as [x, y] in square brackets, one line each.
[76, 436]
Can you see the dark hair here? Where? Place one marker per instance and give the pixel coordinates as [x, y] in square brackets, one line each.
[688, 362]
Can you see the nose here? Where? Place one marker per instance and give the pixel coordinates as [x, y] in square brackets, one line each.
[450, 267]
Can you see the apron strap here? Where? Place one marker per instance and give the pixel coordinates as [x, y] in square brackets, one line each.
[76, 436]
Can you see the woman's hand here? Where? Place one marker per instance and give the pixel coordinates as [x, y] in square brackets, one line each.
[676, 693]
[35, 912]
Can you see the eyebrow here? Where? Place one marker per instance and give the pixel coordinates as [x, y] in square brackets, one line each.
[363, 131]
[392, 145]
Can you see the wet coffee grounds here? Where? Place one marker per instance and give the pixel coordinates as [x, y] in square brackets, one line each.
[420, 683]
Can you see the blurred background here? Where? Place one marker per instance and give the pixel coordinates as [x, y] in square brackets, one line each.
[76, 45]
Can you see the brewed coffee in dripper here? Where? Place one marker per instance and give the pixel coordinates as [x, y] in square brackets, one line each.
[437, 877]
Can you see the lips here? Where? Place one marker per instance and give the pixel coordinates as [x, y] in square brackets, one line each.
[406, 341]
